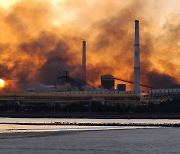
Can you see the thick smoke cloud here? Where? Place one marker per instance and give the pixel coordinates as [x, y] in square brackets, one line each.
[36, 42]
[161, 80]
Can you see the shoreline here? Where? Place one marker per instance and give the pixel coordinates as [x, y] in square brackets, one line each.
[93, 115]
[96, 124]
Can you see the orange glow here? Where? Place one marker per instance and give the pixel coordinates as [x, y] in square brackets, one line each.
[2, 83]
[40, 38]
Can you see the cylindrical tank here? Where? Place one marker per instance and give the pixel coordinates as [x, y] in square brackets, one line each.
[107, 82]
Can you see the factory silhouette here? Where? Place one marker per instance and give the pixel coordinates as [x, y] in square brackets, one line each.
[75, 95]
[67, 83]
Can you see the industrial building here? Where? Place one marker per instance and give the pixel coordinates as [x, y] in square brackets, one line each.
[66, 83]
[121, 87]
[64, 78]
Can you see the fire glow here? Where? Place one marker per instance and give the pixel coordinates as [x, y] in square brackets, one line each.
[2, 83]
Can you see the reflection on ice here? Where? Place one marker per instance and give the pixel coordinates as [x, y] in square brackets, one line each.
[76, 120]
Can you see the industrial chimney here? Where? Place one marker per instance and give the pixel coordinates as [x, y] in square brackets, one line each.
[136, 59]
[84, 61]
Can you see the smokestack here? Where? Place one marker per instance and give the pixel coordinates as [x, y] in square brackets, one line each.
[136, 58]
[84, 61]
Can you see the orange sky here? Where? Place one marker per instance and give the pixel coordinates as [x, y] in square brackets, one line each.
[35, 32]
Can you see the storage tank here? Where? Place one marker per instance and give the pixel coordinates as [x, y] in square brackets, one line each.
[107, 82]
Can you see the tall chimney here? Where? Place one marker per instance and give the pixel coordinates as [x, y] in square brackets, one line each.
[84, 61]
[136, 59]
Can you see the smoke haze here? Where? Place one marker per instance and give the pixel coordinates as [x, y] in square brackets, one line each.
[38, 39]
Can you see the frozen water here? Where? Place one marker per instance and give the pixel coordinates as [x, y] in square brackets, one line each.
[134, 141]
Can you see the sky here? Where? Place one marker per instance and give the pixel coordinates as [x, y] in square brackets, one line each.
[39, 38]
[164, 7]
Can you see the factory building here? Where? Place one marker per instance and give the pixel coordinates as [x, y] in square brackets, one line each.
[107, 82]
[64, 79]
[67, 83]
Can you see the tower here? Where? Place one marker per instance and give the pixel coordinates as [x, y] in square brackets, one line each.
[84, 61]
[136, 59]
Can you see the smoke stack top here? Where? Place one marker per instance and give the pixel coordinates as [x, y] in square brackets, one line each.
[136, 58]
[84, 61]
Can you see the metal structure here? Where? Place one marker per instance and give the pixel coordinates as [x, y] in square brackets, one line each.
[131, 82]
[70, 97]
[63, 77]
[136, 59]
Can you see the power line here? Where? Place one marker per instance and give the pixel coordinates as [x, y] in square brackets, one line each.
[142, 85]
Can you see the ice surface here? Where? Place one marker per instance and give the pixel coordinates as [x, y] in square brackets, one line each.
[135, 141]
